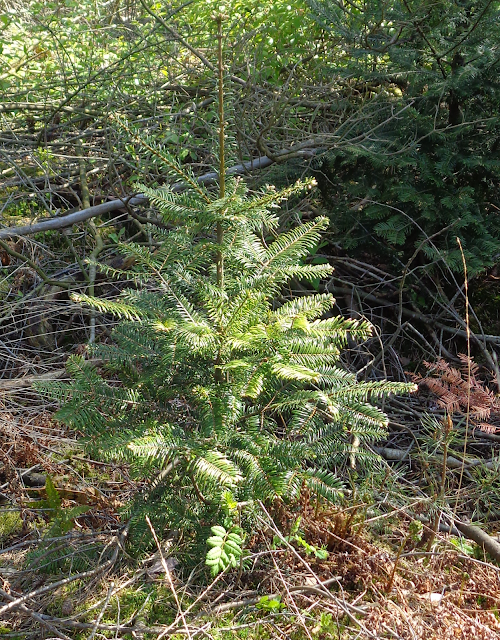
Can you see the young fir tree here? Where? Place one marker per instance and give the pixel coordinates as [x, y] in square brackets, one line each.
[219, 387]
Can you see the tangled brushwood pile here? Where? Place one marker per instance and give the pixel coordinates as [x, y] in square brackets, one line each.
[220, 399]
[396, 556]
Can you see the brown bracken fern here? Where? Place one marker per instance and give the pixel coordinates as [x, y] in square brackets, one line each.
[454, 391]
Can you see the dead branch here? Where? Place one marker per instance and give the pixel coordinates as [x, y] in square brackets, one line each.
[481, 538]
[36, 616]
[62, 222]
[479, 339]
[29, 381]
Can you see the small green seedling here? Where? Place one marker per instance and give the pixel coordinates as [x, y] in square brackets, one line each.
[62, 520]
[226, 549]
[270, 604]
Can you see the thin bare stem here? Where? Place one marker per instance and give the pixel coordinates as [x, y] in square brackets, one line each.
[169, 578]
[222, 168]
[469, 372]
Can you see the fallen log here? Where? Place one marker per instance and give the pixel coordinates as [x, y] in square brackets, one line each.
[480, 537]
[30, 381]
[64, 221]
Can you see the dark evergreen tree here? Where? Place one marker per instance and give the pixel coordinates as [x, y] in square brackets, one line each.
[434, 168]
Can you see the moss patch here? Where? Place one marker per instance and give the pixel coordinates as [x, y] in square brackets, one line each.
[10, 524]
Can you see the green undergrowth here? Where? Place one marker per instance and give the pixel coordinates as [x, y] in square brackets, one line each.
[11, 524]
[358, 544]
[154, 604]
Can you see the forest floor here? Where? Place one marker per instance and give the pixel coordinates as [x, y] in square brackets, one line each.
[356, 571]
